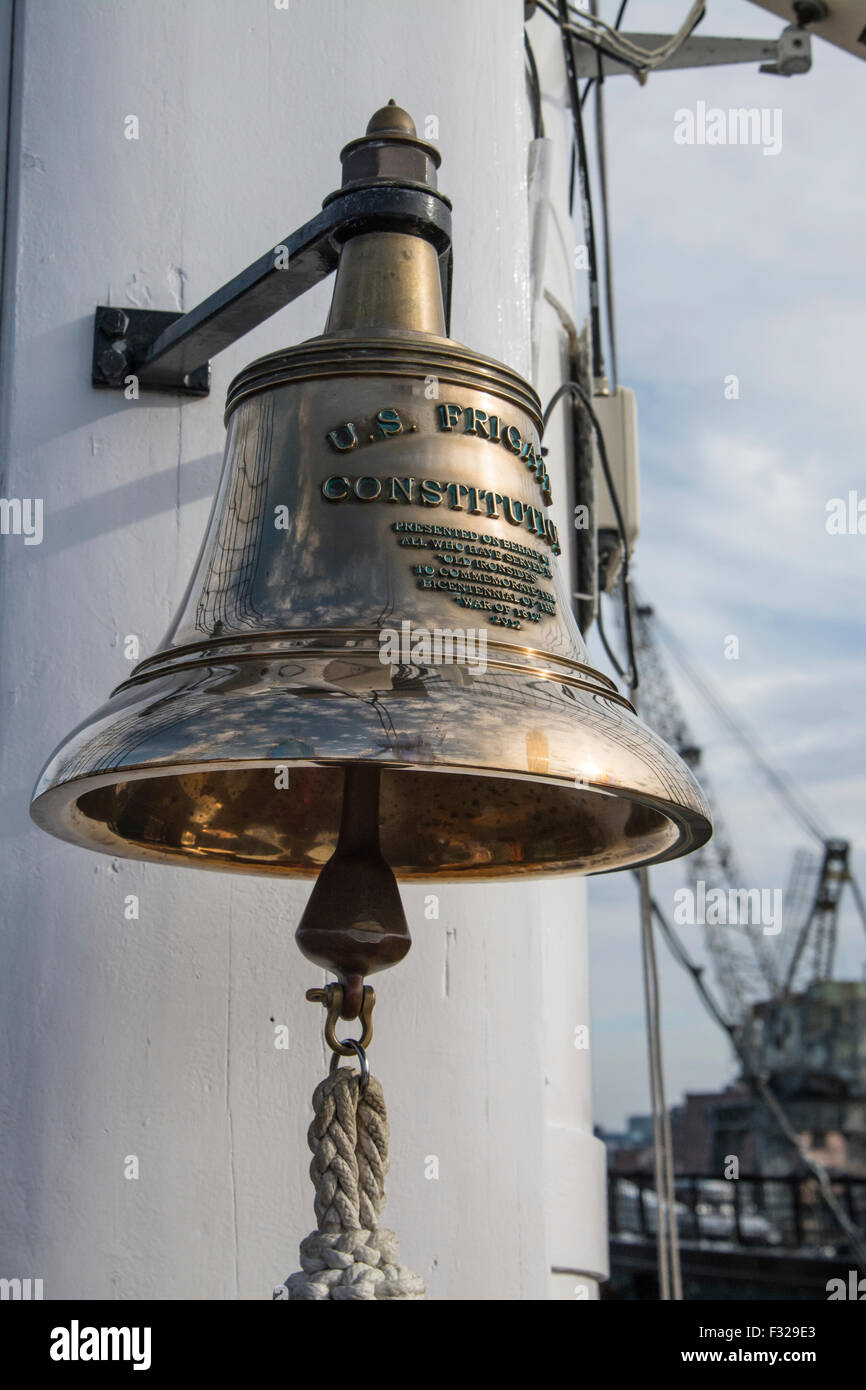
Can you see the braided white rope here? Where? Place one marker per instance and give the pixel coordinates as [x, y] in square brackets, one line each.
[348, 1256]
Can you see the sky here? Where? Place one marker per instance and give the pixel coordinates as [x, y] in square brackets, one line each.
[728, 262]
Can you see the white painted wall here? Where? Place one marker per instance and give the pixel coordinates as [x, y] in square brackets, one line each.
[155, 1037]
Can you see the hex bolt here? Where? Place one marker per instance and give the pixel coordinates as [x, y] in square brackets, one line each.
[810, 11]
[113, 362]
[114, 323]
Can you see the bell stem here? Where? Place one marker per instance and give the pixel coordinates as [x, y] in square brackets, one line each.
[354, 923]
[359, 822]
[387, 282]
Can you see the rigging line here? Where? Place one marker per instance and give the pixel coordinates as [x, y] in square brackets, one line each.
[858, 898]
[666, 1140]
[759, 1087]
[681, 955]
[585, 196]
[817, 1169]
[777, 780]
[662, 1139]
[670, 1185]
[659, 1175]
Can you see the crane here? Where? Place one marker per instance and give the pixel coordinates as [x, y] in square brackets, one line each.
[748, 968]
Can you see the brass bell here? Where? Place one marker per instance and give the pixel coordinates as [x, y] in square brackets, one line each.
[378, 589]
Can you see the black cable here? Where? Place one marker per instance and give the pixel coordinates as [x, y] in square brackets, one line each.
[585, 191]
[591, 80]
[580, 163]
[591, 42]
[534, 88]
[601, 153]
[575, 389]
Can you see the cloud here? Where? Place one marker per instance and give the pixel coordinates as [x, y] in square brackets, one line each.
[729, 262]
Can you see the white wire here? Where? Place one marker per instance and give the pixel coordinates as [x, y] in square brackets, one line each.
[621, 40]
[655, 55]
[576, 28]
[612, 39]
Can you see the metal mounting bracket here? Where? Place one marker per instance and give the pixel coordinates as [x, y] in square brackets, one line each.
[786, 56]
[171, 352]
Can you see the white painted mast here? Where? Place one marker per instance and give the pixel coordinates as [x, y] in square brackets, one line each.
[153, 1143]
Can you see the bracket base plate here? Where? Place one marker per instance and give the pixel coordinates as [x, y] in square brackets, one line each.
[122, 337]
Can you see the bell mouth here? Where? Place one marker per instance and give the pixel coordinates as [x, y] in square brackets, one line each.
[236, 763]
[463, 825]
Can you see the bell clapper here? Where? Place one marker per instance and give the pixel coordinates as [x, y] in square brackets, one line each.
[354, 923]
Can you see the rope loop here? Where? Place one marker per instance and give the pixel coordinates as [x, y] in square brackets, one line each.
[348, 1256]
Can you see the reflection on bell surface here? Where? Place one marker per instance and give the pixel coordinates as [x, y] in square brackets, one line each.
[378, 584]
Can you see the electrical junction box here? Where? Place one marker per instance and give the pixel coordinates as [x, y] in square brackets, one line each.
[617, 416]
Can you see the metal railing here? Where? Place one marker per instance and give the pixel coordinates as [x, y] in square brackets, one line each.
[773, 1213]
